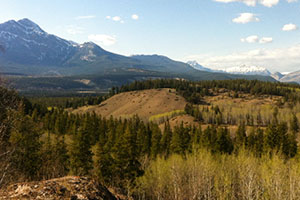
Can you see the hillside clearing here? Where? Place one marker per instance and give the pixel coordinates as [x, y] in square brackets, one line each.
[144, 103]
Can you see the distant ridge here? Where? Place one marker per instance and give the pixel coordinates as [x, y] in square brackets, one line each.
[31, 50]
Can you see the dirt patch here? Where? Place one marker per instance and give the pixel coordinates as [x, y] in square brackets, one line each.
[71, 187]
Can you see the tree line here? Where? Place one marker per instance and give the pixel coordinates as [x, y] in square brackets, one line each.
[40, 143]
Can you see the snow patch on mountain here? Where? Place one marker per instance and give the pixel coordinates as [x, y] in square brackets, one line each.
[248, 70]
[197, 66]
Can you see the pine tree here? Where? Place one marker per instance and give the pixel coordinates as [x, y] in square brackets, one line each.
[26, 140]
[142, 140]
[180, 140]
[80, 153]
[127, 165]
[294, 124]
[62, 159]
[241, 137]
[259, 145]
[224, 143]
[104, 163]
[155, 141]
[166, 139]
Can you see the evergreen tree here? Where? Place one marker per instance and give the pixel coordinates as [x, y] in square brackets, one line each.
[294, 124]
[241, 137]
[26, 140]
[224, 143]
[166, 139]
[126, 158]
[155, 140]
[80, 153]
[62, 159]
[142, 140]
[104, 163]
[180, 140]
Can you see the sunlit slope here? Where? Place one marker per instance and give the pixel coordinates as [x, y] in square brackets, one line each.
[145, 104]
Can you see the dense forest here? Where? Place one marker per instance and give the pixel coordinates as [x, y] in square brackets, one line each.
[41, 139]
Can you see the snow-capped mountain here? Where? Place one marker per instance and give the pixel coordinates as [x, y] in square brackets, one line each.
[27, 49]
[197, 66]
[26, 43]
[248, 70]
[244, 69]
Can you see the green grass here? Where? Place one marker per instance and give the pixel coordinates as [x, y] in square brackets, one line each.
[169, 115]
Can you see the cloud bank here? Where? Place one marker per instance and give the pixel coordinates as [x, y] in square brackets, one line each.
[279, 59]
[267, 3]
[255, 39]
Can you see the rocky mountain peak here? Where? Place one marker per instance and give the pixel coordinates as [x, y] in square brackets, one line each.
[28, 24]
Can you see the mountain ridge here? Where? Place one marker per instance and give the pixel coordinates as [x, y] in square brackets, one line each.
[31, 55]
[27, 45]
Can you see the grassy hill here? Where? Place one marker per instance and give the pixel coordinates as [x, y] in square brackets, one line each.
[145, 104]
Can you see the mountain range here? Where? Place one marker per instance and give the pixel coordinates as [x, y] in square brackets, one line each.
[30, 50]
[29, 55]
[251, 70]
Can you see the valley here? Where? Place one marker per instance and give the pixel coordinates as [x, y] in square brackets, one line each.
[146, 100]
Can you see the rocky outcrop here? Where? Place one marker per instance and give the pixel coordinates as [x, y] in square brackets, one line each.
[71, 187]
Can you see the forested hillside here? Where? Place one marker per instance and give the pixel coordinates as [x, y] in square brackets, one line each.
[138, 158]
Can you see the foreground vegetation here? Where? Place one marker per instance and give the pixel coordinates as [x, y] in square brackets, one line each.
[258, 161]
[202, 175]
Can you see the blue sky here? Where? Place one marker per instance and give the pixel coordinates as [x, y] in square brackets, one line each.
[216, 33]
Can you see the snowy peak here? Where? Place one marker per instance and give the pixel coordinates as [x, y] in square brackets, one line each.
[244, 69]
[30, 25]
[26, 43]
[197, 66]
[248, 70]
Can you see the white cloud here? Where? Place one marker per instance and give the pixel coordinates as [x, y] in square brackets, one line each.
[265, 40]
[102, 39]
[280, 59]
[74, 30]
[134, 17]
[115, 18]
[255, 39]
[85, 17]
[247, 2]
[246, 18]
[289, 27]
[250, 39]
[267, 3]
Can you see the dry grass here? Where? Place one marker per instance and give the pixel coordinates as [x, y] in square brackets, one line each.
[144, 103]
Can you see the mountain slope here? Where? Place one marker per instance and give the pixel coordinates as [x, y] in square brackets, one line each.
[30, 50]
[27, 44]
[277, 76]
[197, 66]
[163, 63]
[291, 77]
[144, 103]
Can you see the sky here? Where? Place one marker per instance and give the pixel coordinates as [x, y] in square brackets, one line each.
[216, 33]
